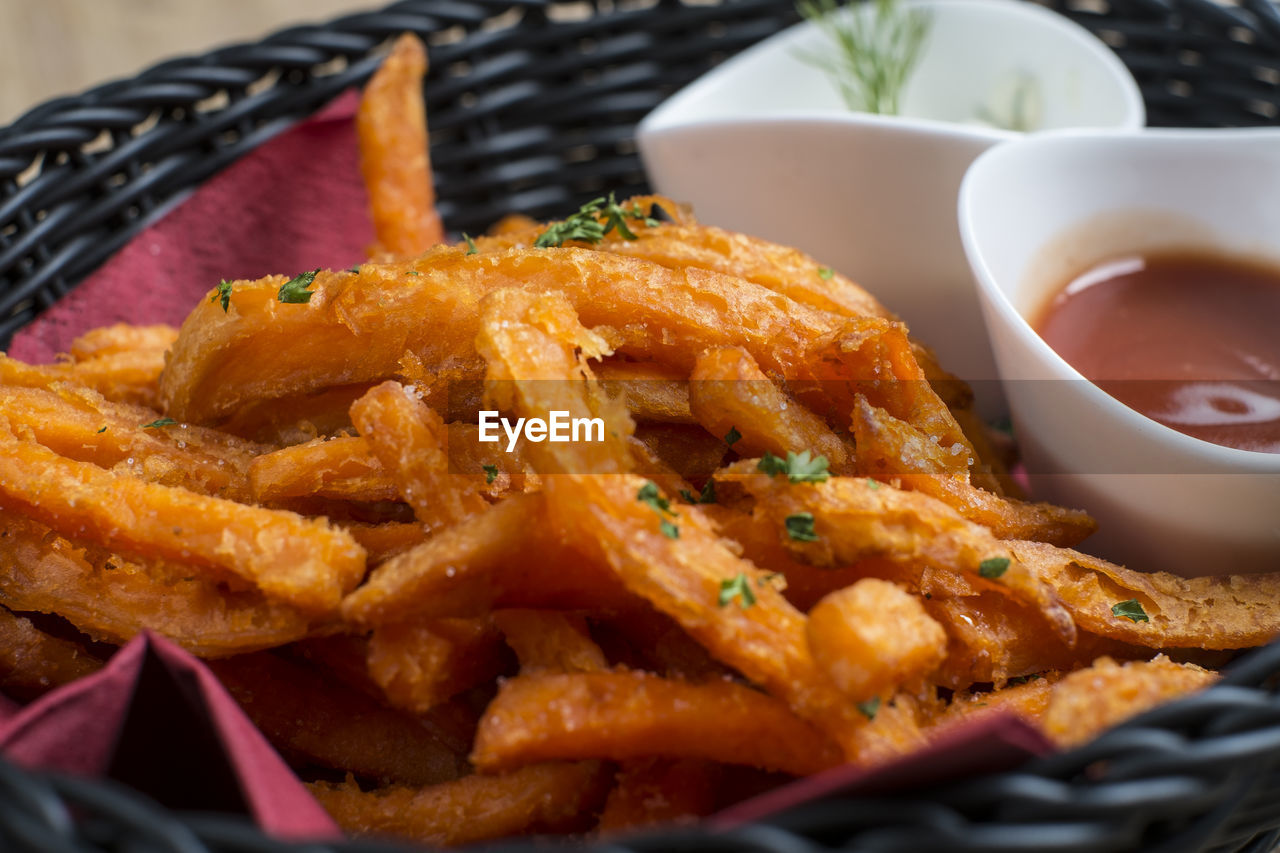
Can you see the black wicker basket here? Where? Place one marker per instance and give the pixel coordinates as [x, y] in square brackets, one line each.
[533, 108]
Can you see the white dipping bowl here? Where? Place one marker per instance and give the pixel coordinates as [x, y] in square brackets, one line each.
[1035, 212]
[764, 145]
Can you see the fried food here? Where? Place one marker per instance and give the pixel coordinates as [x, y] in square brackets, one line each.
[625, 715]
[420, 665]
[391, 125]
[659, 791]
[302, 561]
[33, 662]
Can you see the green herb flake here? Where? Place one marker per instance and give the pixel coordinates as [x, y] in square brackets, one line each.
[825, 273]
[1023, 679]
[870, 707]
[586, 226]
[993, 567]
[490, 473]
[354, 269]
[412, 272]
[873, 485]
[799, 468]
[738, 586]
[156, 424]
[732, 437]
[800, 527]
[707, 496]
[669, 530]
[1131, 609]
[471, 244]
[650, 495]
[294, 291]
[102, 430]
[222, 293]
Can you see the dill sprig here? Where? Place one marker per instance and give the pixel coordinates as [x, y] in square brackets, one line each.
[875, 50]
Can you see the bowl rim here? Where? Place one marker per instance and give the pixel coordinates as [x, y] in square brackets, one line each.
[989, 163]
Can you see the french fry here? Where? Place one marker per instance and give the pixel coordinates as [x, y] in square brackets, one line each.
[548, 797]
[624, 715]
[411, 441]
[1089, 701]
[659, 791]
[343, 468]
[873, 638]
[891, 450]
[653, 392]
[121, 338]
[382, 541]
[1029, 699]
[849, 519]
[653, 641]
[546, 640]
[391, 125]
[113, 599]
[686, 578]
[124, 377]
[507, 556]
[33, 662]
[311, 720]
[298, 418]
[293, 559]
[78, 423]
[420, 665]
[676, 451]
[728, 391]
[1179, 612]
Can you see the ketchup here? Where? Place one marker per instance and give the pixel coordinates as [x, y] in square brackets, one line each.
[1189, 340]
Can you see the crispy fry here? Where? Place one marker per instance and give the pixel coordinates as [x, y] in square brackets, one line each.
[1029, 699]
[78, 423]
[535, 351]
[542, 797]
[727, 390]
[676, 450]
[391, 125]
[545, 640]
[121, 338]
[114, 599]
[1089, 701]
[891, 450]
[420, 665]
[356, 327]
[290, 558]
[508, 556]
[653, 392]
[856, 518]
[124, 377]
[685, 578]
[33, 662]
[385, 540]
[874, 638]
[659, 791]
[1216, 612]
[311, 720]
[343, 468]
[298, 418]
[624, 715]
[411, 441]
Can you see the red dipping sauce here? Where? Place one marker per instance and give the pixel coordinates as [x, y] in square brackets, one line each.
[1189, 340]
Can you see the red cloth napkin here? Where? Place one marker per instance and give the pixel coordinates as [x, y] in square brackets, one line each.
[155, 717]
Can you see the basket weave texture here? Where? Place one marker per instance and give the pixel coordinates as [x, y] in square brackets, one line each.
[533, 110]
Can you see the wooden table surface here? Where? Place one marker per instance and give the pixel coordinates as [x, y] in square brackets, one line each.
[60, 47]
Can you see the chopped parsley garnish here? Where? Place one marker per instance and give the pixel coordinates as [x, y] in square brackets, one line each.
[738, 586]
[872, 484]
[801, 468]
[490, 473]
[294, 291]
[161, 422]
[993, 567]
[354, 269]
[102, 430]
[732, 437]
[1023, 679]
[707, 496]
[471, 244]
[586, 226]
[870, 707]
[800, 527]
[650, 495]
[1131, 609]
[825, 273]
[222, 294]
[412, 272]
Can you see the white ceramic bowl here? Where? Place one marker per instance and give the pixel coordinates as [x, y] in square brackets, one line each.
[1036, 211]
[763, 144]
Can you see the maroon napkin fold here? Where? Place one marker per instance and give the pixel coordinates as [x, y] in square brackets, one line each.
[156, 718]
